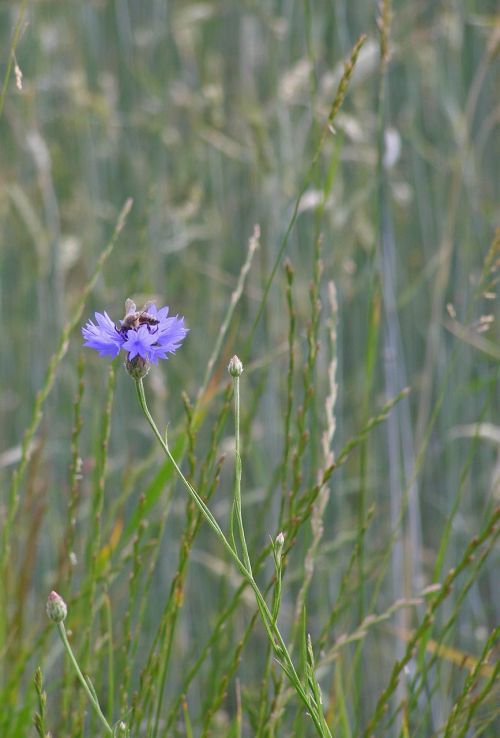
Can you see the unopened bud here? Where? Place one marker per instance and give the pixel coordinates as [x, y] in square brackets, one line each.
[137, 367]
[235, 367]
[279, 542]
[56, 608]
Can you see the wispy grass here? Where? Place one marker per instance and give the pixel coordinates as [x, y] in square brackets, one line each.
[364, 310]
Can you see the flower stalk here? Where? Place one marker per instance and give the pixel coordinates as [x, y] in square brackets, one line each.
[278, 645]
[235, 369]
[90, 692]
[57, 611]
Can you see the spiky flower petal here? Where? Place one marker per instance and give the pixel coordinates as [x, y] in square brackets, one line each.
[145, 335]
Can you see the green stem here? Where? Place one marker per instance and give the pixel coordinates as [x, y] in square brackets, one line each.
[92, 697]
[268, 621]
[237, 480]
[15, 40]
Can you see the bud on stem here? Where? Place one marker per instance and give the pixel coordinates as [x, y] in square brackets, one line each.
[56, 608]
[235, 367]
[137, 367]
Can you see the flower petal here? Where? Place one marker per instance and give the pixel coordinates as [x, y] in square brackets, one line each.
[103, 337]
[139, 343]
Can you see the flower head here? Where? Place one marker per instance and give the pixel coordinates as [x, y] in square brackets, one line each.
[145, 335]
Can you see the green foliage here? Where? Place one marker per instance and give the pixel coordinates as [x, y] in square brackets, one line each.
[362, 309]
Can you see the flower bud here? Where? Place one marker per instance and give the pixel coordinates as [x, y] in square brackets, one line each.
[279, 542]
[56, 608]
[137, 367]
[235, 367]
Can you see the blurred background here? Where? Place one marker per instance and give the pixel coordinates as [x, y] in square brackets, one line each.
[209, 116]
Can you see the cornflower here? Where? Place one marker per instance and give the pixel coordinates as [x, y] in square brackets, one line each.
[145, 335]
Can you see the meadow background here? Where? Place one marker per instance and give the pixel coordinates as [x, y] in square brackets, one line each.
[213, 117]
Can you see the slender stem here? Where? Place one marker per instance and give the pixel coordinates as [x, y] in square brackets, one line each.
[192, 492]
[269, 623]
[237, 480]
[92, 697]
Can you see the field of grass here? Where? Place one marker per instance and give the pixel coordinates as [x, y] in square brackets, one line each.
[314, 187]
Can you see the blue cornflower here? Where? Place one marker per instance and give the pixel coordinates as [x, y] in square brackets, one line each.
[146, 335]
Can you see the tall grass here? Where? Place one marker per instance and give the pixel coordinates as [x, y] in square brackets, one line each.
[362, 306]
